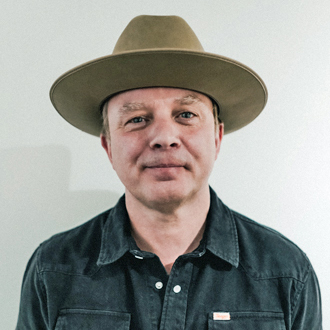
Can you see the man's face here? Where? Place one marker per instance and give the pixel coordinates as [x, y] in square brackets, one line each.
[163, 143]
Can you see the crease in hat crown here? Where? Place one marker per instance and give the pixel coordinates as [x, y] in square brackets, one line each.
[158, 51]
[157, 32]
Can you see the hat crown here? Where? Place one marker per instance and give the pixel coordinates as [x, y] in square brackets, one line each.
[157, 32]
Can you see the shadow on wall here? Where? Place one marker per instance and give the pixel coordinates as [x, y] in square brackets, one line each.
[34, 191]
[36, 203]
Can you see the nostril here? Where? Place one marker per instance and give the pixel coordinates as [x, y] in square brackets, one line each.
[160, 146]
[162, 139]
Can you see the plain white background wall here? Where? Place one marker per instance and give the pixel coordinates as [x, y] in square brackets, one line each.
[276, 170]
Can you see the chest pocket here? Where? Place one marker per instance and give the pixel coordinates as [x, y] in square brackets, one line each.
[248, 321]
[85, 319]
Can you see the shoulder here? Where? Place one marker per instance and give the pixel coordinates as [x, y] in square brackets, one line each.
[265, 253]
[74, 251]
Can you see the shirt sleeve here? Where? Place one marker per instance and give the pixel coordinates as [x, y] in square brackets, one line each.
[307, 313]
[33, 303]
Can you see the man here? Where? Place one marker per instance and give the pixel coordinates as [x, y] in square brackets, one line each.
[170, 254]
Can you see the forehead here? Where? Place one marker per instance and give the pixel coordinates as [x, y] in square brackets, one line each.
[149, 96]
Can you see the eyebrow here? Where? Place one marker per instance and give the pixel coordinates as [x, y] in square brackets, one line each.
[188, 99]
[130, 107]
[134, 106]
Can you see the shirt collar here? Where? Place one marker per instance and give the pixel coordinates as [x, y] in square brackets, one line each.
[116, 236]
[220, 234]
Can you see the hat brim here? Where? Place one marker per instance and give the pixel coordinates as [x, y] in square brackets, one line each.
[79, 93]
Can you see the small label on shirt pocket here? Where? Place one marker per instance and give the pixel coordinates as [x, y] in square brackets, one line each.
[247, 321]
[86, 319]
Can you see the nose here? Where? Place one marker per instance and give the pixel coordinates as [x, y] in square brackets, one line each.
[164, 135]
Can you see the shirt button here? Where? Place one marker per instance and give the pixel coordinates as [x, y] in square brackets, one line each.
[177, 289]
[159, 285]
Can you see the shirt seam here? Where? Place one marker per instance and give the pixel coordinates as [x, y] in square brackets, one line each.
[298, 295]
[67, 273]
[245, 219]
[270, 277]
[42, 270]
[40, 280]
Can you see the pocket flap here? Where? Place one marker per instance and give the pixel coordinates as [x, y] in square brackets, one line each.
[246, 321]
[85, 319]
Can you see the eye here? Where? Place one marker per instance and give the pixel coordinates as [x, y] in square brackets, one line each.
[136, 120]
[187, 115]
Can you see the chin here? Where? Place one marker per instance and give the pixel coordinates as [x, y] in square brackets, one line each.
[166, 195]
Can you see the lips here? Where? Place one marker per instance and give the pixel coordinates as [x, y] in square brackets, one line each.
[164, 162]
[164, 165]
[161, 171]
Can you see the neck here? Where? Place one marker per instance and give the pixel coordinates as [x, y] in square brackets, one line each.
[169, 234]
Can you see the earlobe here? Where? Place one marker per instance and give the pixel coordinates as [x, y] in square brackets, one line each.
[106, 146]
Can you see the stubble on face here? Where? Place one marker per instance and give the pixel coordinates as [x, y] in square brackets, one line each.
[162, 175]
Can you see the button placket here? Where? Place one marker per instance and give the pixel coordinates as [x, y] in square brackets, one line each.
[176, 296]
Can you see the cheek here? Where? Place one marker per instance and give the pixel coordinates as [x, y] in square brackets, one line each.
[125, 152]
[203, 143]
[205, 153]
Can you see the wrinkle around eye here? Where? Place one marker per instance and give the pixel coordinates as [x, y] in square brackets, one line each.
[136, 123]
[187, 118]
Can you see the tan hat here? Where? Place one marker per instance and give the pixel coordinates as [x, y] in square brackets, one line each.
[158, 51]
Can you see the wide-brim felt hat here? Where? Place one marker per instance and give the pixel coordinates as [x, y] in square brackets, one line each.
[158, 51]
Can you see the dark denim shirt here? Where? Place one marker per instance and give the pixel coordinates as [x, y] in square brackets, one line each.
[242, 276]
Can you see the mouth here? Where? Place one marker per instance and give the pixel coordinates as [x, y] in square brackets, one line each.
[164, 166]
[165, 171]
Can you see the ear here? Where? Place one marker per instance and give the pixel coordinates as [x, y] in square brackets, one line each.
[105, 142]
[218, 138]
